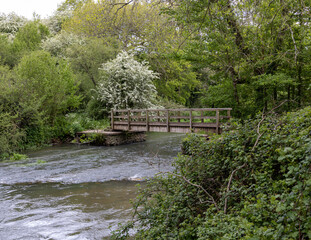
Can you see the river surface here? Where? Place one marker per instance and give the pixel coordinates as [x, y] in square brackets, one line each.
[72, 192]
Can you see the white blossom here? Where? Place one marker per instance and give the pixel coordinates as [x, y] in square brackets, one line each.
[126, 83]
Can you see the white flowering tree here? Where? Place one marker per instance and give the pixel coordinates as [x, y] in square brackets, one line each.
[126, 83]
[11, 23]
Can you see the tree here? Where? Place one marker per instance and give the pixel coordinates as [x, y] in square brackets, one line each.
[136, 24]
[11, 23]
[87, 58]
[58, 44]
[246, 42]
[140, 27]
[10, 133]
[50, 82]
[177, 80]
[126, 83]
[85, 55]
[29, 37]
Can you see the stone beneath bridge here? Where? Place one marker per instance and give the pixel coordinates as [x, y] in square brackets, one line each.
[109, 138]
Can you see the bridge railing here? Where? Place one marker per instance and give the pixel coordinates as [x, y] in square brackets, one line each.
[169, 119]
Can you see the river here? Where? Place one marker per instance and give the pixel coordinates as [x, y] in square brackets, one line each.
[72, 192]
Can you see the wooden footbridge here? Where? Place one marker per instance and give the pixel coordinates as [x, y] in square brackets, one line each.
[170, 120]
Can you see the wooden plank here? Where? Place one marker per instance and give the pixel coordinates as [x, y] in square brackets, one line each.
[157, 117]
[124, 110]
[204, 117]
[138, 117]
[176, 124]
[121, 117]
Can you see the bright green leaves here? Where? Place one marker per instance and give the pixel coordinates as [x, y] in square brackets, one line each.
[177, 80]
[50, 81]
[255, 52]
[30, 36]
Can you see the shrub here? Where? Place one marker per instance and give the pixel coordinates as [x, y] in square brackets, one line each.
[253, 182]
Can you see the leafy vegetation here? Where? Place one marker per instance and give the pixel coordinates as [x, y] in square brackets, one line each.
[252, 182]
[63, 74]
[126, 83]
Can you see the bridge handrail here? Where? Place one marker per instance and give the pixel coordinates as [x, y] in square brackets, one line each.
[174, 109]
[130, 115]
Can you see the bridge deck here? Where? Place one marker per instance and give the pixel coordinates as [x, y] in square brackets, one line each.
[170, 120]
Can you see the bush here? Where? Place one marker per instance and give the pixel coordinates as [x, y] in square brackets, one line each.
[11, 137]
[253, 182]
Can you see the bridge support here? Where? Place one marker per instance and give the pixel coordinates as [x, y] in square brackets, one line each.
[109, 138]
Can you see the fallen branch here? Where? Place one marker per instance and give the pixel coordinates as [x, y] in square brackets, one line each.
[198, 186]
[228, 186]
[264, 116]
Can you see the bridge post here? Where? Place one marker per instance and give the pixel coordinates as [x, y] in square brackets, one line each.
[202, 117]
[167, 121]
[128, 120]
[217, 121]
[147, 121]
[190, 117]
[112, 120]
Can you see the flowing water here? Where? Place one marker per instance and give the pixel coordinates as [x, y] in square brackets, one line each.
[78, 192]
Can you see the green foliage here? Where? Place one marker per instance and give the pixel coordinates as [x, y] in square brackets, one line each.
[177, 81]
[87, 58]
[10, 134]
[18, 157]
[81, 121]
[50, 82]
[95, 109]
[126, 83]
[29, 37]
[138, 25]
[85, 55]
[252, 182]
[33, 99]
[260, 48]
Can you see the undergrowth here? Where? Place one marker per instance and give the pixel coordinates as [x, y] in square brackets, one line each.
[252, 182]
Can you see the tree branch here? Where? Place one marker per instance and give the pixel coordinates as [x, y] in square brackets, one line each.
[228, 186]
[264, 116]
[198, 186]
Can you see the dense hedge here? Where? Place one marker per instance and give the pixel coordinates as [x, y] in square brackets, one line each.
[252, 182]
